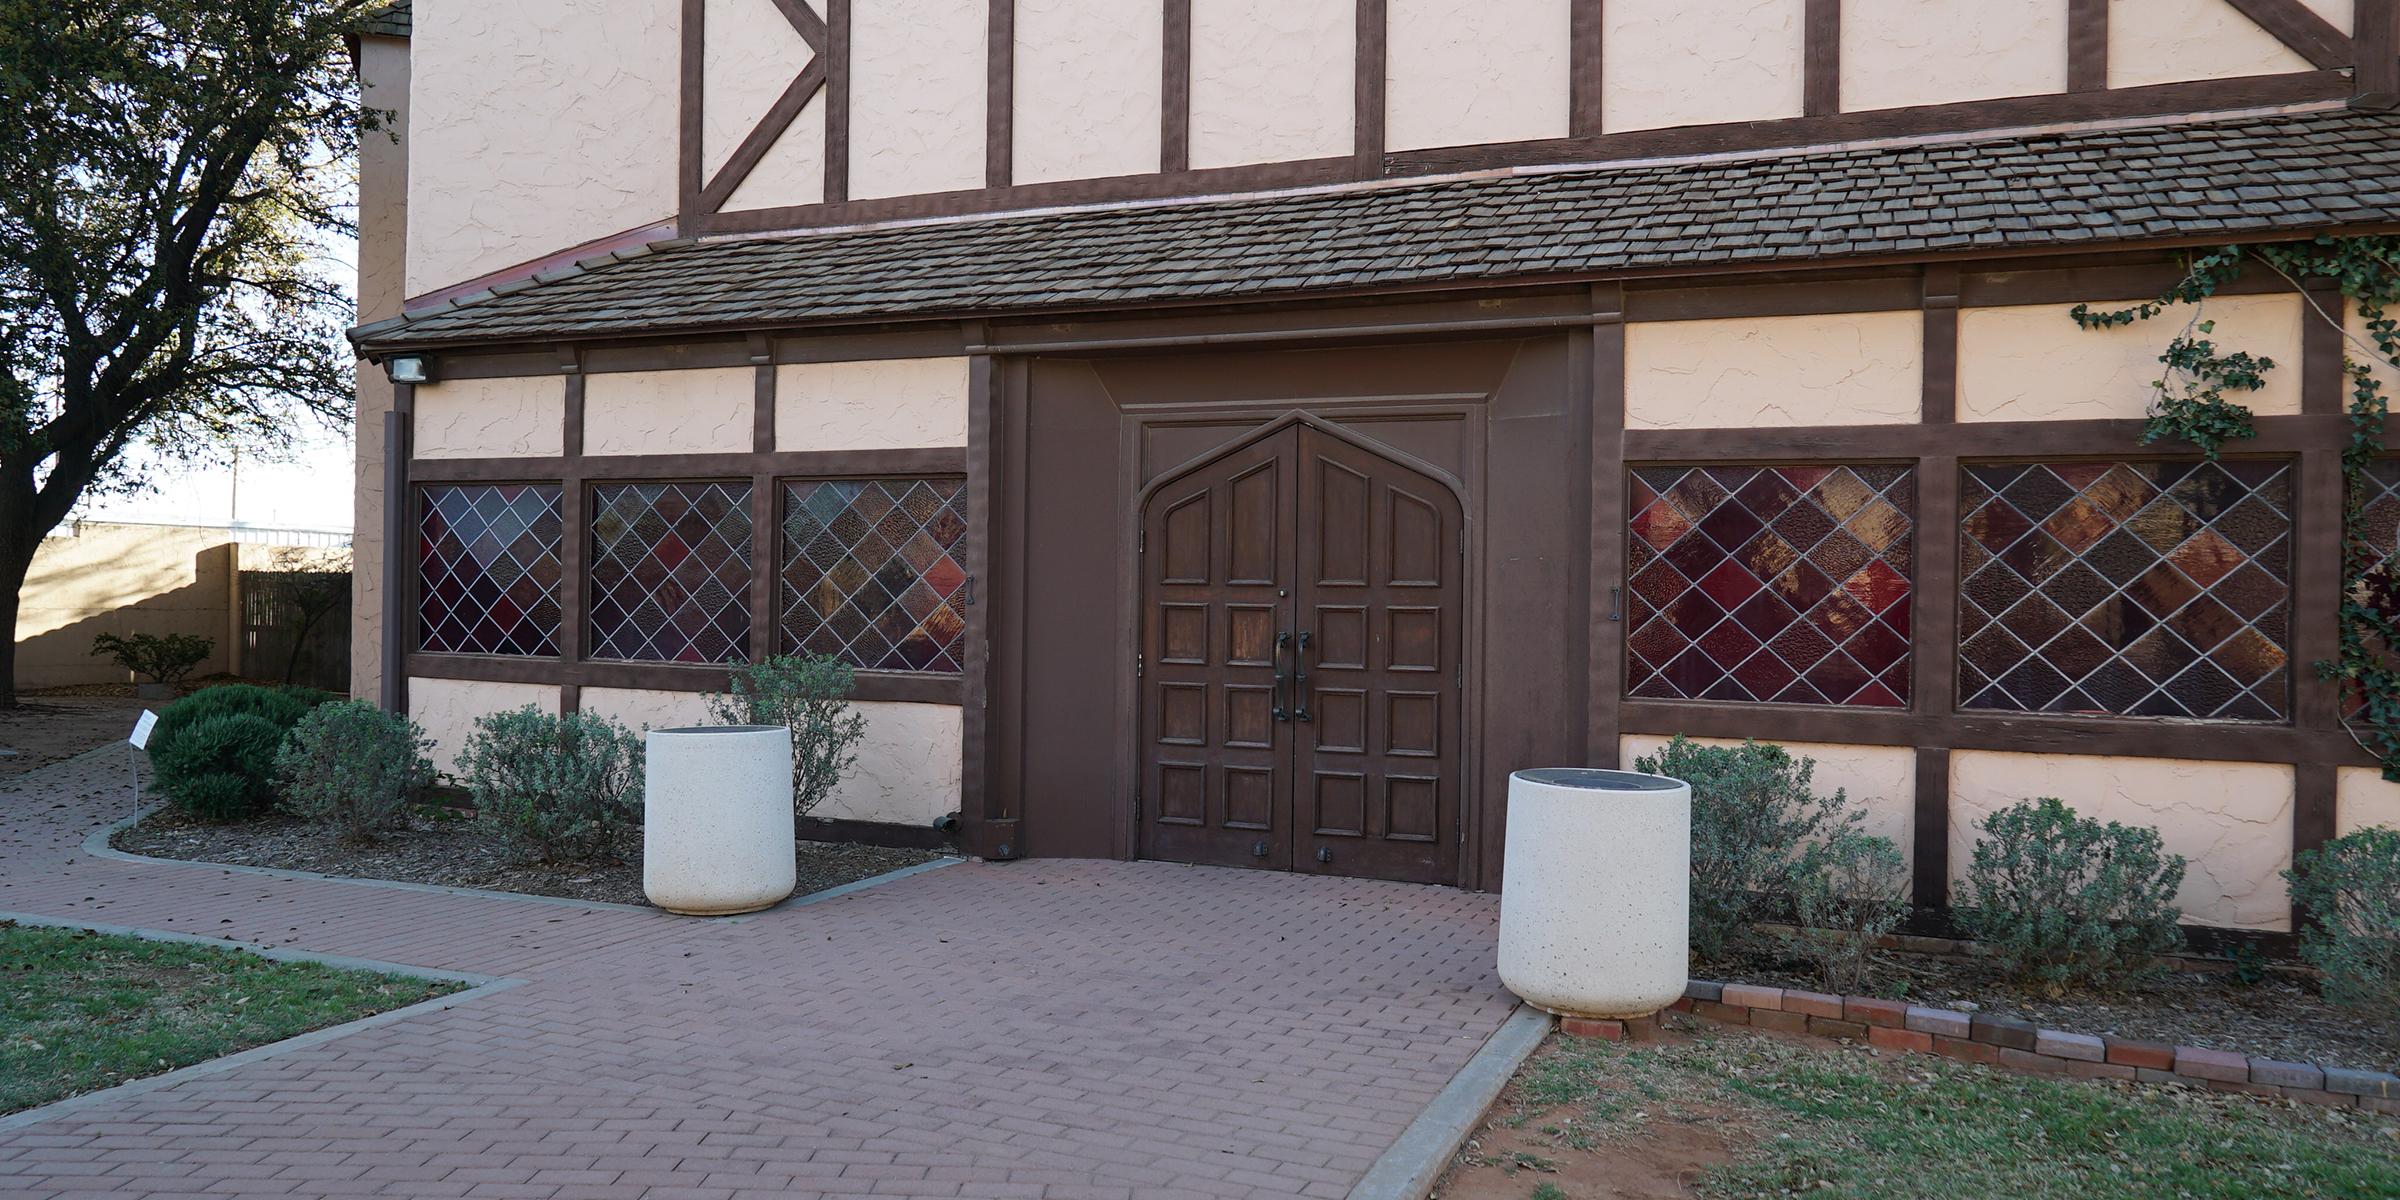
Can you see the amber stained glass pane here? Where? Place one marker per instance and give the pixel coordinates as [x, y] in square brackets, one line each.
[670, 576]
[1775, 584]
[2155, 589]
[873, 572]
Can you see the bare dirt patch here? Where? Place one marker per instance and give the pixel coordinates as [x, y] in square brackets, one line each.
[458, 850]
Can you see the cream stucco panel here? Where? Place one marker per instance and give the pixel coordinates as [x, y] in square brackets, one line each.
[1897, 53]
[534, 128]
[2341, 14]
[2362, 799]
[2232, 821]
[2365, 350]
[917, 89]
[521, 417]
[1838, 369]
[2163, 41]
[753, 55]
[890, 404]
[448, 708]
[669, 412]
[640, 709]
[2031, 362]
[908, 766]
[1699, 62]
[1088, 89]
[1272, 80]
[1880, 781]
[1461, 72]
[793, 171]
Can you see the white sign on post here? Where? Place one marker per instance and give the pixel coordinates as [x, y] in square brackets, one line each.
[141, 730]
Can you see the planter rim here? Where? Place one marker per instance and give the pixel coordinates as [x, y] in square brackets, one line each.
[1597, 779]
[696, 730]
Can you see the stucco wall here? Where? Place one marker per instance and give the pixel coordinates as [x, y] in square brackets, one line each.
[752, 54]
[1459, 72]
[2233, 821]
[1841, 369]
[2363, 799]
[1897, 53]
[520, 417]
[1879, 781]
[889, 404]
[793, 171]
[536, 126]
[94, 577]
[917, 90]
[447, 709]
[2365, 350]
[908, 763]
[669, 412]
[1698, 62]
[1088, 89]
[1271, 80]
[383, 72]
[2162, 41]
[2031, 362]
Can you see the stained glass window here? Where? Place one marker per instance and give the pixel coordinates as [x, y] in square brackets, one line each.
[670, 577]
[873, 574]
[488, 569]
[1780, 584]
[2157, 589]
[2379, 527]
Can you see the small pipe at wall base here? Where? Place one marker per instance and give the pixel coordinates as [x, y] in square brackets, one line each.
[947, 823]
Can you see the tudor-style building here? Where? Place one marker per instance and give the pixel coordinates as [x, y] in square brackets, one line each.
[1243, 431]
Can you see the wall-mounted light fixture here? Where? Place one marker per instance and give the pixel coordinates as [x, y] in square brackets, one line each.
[409, 368]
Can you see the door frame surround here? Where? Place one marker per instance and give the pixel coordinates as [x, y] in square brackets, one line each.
[1274, 418]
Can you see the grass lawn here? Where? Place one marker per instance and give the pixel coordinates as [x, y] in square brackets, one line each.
[1742, 1114]
[82, 1011]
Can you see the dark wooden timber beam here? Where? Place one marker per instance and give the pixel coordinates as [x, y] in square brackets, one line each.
[2087, 45]
[1821, 72]
[2299, 27]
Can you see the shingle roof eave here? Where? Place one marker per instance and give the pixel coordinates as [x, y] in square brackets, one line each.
[2279, 175]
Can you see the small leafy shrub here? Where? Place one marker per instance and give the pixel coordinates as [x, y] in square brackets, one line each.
[2064, 900]
[211, 766]
[810, 696]
[160, 658]
[2350, 889]
[1753, 809]
[353, 767]
[565, 787]
[1847, 893]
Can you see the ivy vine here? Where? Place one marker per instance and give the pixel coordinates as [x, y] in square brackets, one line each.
[2192, 405]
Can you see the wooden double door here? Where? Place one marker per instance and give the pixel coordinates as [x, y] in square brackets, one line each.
[1302, 606]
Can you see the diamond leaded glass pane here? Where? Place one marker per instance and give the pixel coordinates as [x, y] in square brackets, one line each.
[2153, 589]
[2378, 528]
[1781, 584]
[873, 572]
[670, 574]
[488, 569]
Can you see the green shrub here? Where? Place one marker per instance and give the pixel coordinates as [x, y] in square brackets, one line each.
[810, 696]
[221, 767]
[2350, 889]
[1753, 809]
[1847, 893]
[564, 787]
[164, 659]
[209, 768]
[354, 767]
[2064, 900]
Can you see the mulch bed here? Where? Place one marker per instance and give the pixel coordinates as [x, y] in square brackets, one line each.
[458, 851]
[2280, 1016]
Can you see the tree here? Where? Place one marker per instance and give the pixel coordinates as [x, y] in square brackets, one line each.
[169, 173]
[304, 588]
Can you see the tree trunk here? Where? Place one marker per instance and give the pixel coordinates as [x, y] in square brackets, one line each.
[16, 558]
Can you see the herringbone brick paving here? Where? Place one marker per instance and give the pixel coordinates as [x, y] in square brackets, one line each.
[1059, 1029]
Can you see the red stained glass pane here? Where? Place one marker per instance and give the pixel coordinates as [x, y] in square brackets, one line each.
[874, 572]
[670, 572]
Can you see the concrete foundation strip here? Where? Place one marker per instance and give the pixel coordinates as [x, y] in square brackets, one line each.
[1416, 1161]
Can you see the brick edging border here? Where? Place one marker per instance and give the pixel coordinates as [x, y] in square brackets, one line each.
[2016, 1044]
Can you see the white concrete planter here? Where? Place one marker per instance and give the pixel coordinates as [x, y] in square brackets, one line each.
[1595, 909]
[717, 828]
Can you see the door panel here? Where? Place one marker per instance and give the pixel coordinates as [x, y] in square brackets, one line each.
[1302, 609]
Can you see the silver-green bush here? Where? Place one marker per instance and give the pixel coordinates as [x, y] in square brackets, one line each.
[811, 697]
[1753, 810]
[1848, 892]
[565, 787]
[2064, 901]
[353, 767]
[2350, 890]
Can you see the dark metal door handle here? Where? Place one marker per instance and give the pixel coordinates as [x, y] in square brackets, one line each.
[1300, 680]
[1281, 713]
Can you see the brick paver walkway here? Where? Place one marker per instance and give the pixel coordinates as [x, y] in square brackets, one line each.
[1065, 1029]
